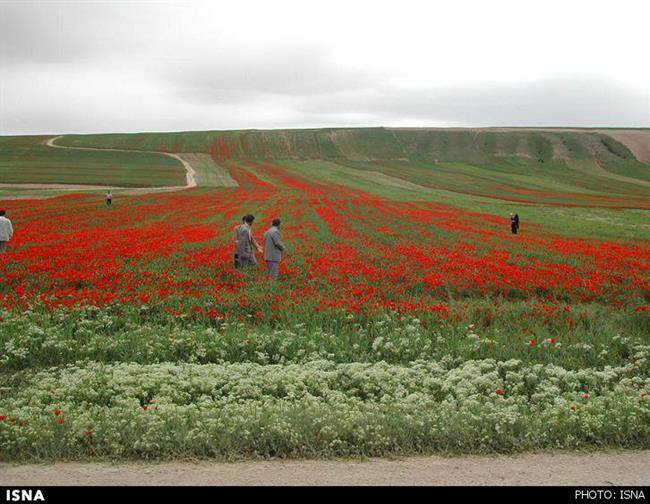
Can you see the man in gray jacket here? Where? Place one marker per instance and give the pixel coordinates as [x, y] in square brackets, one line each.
[273, 248]
[6, 231]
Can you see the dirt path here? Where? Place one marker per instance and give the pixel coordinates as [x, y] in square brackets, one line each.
[190, 174]
[189, 171]
[207, 172]
[610, 468]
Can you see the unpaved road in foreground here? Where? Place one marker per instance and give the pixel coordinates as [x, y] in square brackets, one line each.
[610, 468]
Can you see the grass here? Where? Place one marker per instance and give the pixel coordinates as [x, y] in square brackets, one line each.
[207, 172]
[548, 167]
[320, 409]
[407, 318]
[601, 223]
[24, 161]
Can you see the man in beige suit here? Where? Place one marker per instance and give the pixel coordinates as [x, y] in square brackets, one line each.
[273, 248]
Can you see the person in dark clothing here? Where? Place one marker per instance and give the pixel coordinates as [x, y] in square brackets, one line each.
[514, 223]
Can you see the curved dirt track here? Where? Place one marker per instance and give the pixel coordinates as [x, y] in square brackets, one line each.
[190, 174]
[609, 468]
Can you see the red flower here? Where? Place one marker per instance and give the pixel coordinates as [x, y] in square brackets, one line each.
[499, 391]
[145, 407]
[57, 412]
[60, 421]
[88, 433]
[532, 342]
[553, 341]
[585, 396]
[3, 418]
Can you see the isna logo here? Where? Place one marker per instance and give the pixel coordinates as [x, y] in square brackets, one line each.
[24, 495]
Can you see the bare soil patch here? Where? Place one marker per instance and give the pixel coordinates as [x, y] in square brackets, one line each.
[638, 141]
[610, 468]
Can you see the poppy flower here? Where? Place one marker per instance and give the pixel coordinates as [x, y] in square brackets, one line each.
[499, 391]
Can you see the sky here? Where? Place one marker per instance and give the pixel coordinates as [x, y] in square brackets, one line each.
[126, 66]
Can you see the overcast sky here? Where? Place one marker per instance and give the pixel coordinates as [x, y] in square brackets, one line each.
[93, 66]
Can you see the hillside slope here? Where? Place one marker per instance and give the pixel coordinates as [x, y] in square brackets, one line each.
[552, 166]
[463, 145]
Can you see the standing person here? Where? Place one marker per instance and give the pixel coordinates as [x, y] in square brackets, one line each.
[273, 248]
[245, 243]
[236, 242]
[514, 223]
[6, 231]
[109, 198]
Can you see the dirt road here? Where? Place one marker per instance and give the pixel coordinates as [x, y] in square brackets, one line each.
[190, 174]
[610, 468]
[57, 189]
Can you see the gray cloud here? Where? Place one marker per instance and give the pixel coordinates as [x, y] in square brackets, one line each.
[82, 66]
[254, 73]
[57, 31]
[562, 100]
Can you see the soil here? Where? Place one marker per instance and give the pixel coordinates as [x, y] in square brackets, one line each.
[608, 468]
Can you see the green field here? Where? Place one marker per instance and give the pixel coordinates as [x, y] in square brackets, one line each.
[26, 160]
[550, 167]
[407, 318]
[575, 183]
[567, 220]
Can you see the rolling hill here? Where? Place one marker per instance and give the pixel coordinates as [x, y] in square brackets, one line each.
[553, 166]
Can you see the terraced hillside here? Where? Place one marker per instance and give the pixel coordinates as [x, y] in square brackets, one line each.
[364, 144]
[568, 167]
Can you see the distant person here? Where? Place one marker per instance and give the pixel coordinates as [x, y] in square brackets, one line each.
[514, 223]
[6, 231]
[273, 248]
[109, 198]
[245, 243]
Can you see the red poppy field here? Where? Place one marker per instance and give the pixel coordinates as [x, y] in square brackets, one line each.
[396, 326]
